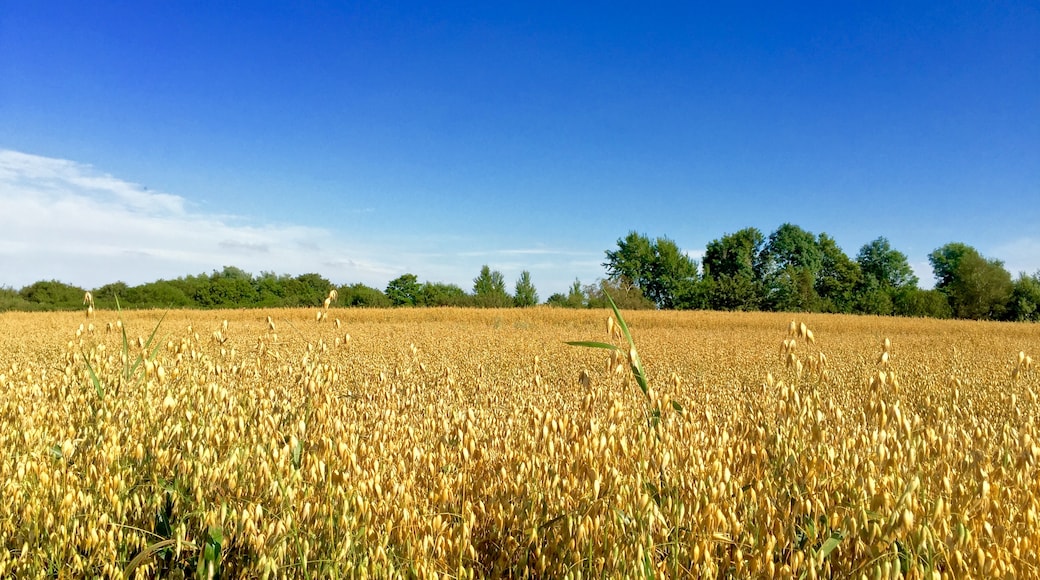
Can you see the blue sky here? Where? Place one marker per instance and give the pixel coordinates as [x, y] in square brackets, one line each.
[360, 140]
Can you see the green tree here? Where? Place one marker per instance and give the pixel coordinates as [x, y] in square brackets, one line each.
[838, 278]
[576, 297]
[915, 302]
[1025, 299]
[791, 260]
[626, 295]
[945, 260]
[792, 290]
[227, 288]
[977, 288]
[525, 294]
[440, 294]
[873, 298]
[404, 290]
[791, 246]
[981, 290]
[312, 289]
[676, 272]
[105, 296]
[52, 295]
[489, 289]
[11, 300]
[158, 294]
[270, 289]
[737, 254]
[663, 272]
[735, 268]
[888, 267]
[362, 296]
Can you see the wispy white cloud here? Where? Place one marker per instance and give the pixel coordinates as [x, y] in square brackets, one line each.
[68, 221]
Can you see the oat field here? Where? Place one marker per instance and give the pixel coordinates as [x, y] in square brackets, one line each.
[455, 443]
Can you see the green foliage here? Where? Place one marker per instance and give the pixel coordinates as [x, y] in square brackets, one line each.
[52, 295]
[977, 288]
[791, 270]
[310, 290]
[557, 299]
[791, 247]
[736, 270]
[159, 294]
[733, 292]
[915, 302]
[1025, 299]
[489, 289]
[736, 255]
[874, 299]
[362, 296]
[228, 288]
[793, 290]
[404, 290]
[888, 267]
[106, 296]
[525, 293]
[658, 268]
[440, 294]
[10, 300]
[621, 290]
[790, 262]
[838, 278]
[575, 297]
[945, 260]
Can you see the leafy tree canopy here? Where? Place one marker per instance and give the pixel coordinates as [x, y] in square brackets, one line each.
[888, 267]
[404, 290]
[658, 268]
[1025, 298]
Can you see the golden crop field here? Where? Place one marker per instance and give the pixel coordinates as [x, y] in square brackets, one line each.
[476, 443]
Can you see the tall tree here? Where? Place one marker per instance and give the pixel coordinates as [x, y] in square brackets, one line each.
[404, 290]
[1025, 299]
[977, 288]
[838, 278]
[576, 296]
[737, 254]
[441, 294]
[489, 289]
[625, 295]
[525, 294]
[360, 295]
[662, 272]
[52, 295]
[915, 302]
[791, 261]
[791, 246]
[945, 260]
[733, 271]
[888, 267]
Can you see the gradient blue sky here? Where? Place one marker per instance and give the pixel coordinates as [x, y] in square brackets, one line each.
[364, 140]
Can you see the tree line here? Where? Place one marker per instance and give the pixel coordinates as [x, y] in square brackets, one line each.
[232, 287]
[793, 270]
[789, 270]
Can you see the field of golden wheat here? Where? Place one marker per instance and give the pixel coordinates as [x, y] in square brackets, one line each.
[475, 443]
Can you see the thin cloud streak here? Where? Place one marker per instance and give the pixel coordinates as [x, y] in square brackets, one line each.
[67, 221]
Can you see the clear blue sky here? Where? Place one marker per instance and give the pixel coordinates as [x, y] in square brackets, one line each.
[365, 140]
